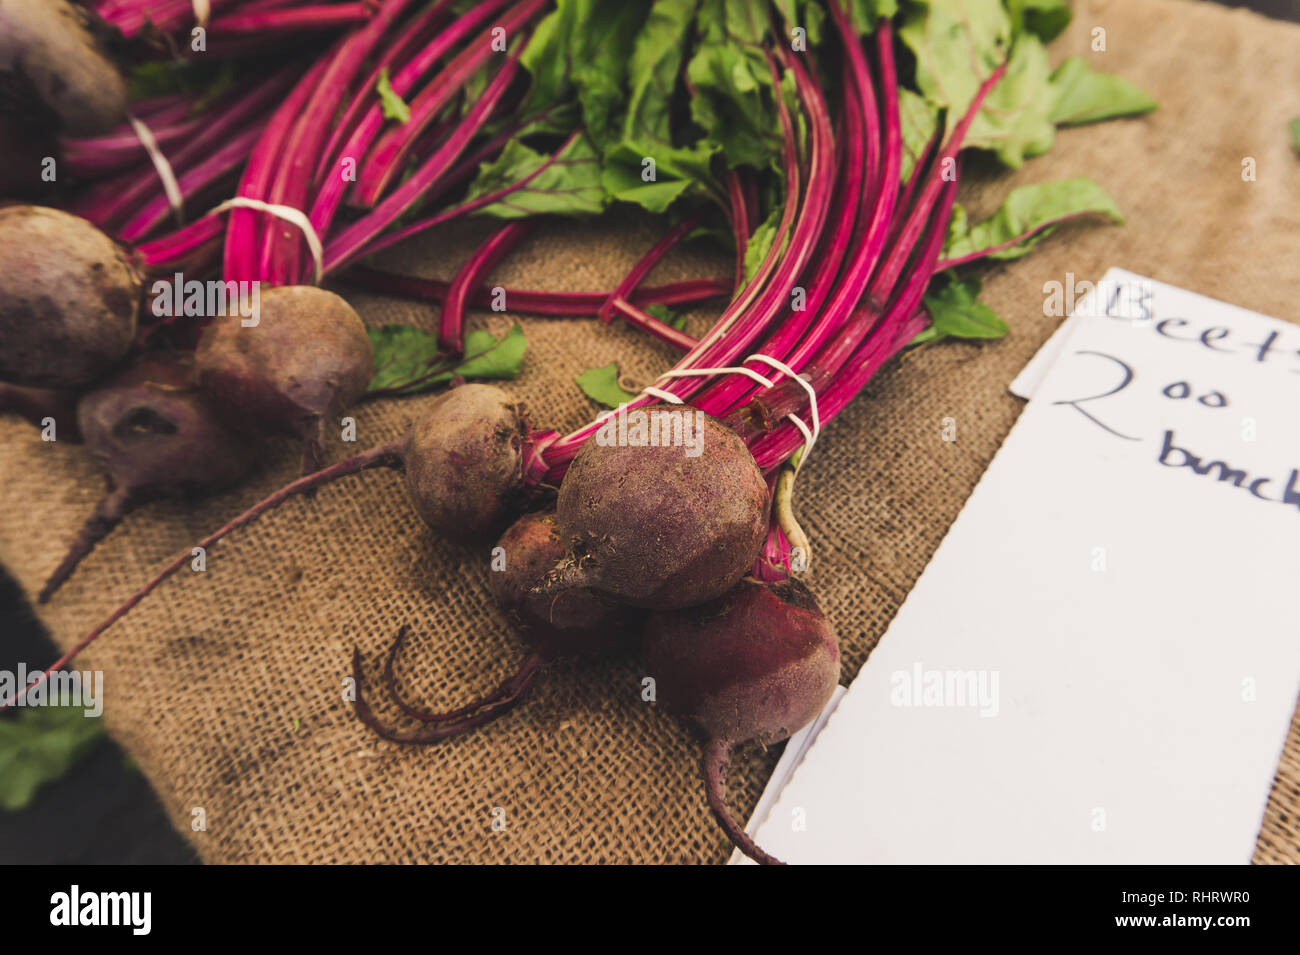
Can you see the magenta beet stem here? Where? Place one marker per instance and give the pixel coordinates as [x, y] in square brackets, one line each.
[451, 330]
[347, 245]
[636, 275]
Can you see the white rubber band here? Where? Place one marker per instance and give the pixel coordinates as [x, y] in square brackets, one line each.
[810, 435]
[700, 372]
[287, 213]
[160, 164]
[662, 395]
[202, 10]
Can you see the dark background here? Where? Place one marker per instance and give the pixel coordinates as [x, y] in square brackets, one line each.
[104, 811]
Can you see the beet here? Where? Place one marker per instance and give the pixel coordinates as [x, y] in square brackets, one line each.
[68, 299]
[464, 462]
[154, 435]
[305, 360]
[50, 66]
[574, 623]
[759, 663]
[657, 527]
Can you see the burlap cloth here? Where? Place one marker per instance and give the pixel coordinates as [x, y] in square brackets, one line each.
[206, 679]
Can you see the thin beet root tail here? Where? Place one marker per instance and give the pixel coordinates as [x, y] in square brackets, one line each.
[384, 455]
[506, 696]
[313, 452]
[717, 756]
[424, 716]
[107, 515]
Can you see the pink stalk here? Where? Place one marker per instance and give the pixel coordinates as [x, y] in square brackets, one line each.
[836, 384]
[653, 326]
[242, 231]
[347, 245]
[219, 164]
[359, 141]
[322, 17]
[740, 225]
[416, 36]
[853, 177]
[386, 157]
[112, 201]
[934, 184]
[283, 243]
[646, 263]
[873, 221]
[465, 167]
[536, 302]
[451, 330]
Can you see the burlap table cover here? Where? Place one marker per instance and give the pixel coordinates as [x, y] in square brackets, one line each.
[226, 686]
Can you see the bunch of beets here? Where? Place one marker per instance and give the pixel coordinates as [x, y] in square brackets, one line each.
[785, 129]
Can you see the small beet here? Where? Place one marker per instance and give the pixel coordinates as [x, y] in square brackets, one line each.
[68, 299]
[154, 435]
[759, 663]
[571, 623]
[51, 66]
[464, 462]
[657, 527]
[305, 360]
[574, 623]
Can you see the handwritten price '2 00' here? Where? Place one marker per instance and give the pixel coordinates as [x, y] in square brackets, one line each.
[1175, 391]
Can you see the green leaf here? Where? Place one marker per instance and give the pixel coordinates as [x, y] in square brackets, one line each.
[957, 314]
[1027, 216]
[1293, 128]
[733, 101]
[957, 44]
[653, 72]
[760, 241]
[571, 185]
[645, 127]
[601, 385]
[919, 121]
[493, 359]
[402, 354]
[865, 14]
[581, 51]
[392, 105]
[1084, 95]
[408, 362]
[1015, 121]
[40, 746]
[1046, 19]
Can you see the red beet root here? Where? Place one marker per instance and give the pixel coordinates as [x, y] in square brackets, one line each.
[68, 299]
[571, 623]
[464, 462]
[51, 65]
[305, 360]
[759, 663]
[154, 435]
[664, 526]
